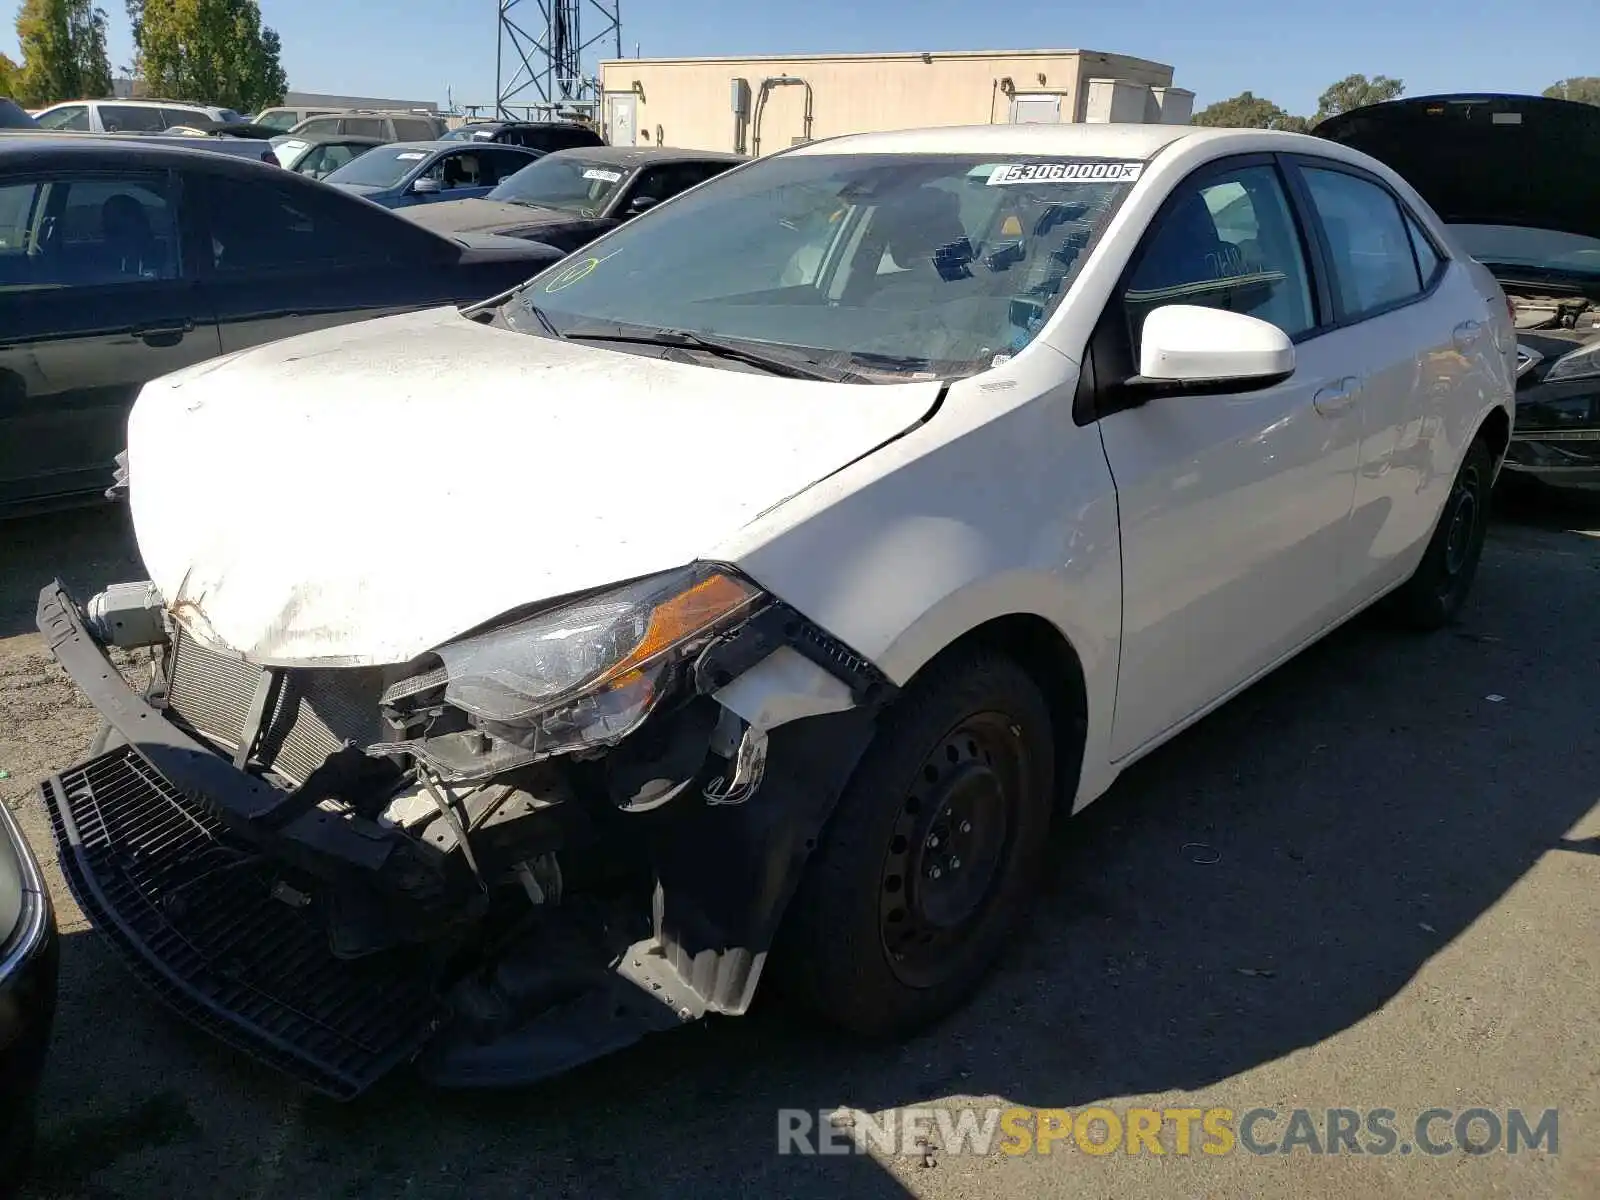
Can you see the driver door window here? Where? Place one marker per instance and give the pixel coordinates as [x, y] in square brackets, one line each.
[1225, 241]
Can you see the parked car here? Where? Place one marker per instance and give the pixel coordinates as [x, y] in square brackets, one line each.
[28, 953]
[284, 119]
[548, 136]
[746, 592]
[320, 156]
[14, 116]
[123, 262]
[571, 197]
[399, 174]
[127, 116]
[387, 127]
[1516, 178]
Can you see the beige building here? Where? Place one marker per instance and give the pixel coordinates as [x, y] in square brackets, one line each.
[758, 105]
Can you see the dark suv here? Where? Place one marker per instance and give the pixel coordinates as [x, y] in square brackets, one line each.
[548, 136]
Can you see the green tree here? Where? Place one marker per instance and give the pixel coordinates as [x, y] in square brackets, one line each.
[1357, 91]
[63, 51]
[8, 76]
[208, 51]
[1583, 88]
[1249, 111]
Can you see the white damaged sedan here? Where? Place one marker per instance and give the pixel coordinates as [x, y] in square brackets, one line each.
[743, 596]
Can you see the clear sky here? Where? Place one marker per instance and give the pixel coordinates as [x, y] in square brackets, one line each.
[1280, 49]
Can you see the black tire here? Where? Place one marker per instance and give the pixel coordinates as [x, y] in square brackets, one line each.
[966, 755]
[1434, 594]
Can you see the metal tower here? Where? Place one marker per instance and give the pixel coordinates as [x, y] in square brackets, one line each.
[540, 65]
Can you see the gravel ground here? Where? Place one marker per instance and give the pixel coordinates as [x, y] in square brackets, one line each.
[1401, 913]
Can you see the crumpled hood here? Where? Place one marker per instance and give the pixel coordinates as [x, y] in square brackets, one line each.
[360, 494]
[460, 216]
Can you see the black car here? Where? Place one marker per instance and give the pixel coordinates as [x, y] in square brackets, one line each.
[548, 136]
[121, 262]
[1517, 179]
[569, 198]
[14, 116]
[27, 993]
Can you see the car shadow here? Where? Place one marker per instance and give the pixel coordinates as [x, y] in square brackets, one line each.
[1264, 882]
[88, 547]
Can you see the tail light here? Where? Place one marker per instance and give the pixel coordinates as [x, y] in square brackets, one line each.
[1511, 309]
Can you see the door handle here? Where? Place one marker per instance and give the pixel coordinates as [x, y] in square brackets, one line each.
[1465, 334]
[169, 334]
[1333, 399]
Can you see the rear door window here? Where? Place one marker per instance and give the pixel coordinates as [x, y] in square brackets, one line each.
[131, 118]
[184, 116]
[411, 129]
[259, 228]
[1373, 263]
[364, 127]
[88, 231]
[317, 127]
[1429, 262]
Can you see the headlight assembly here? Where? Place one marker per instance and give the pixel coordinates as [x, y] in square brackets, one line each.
[583, 674]
[1582, 363]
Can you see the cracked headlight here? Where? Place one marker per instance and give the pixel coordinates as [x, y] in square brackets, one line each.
[582, 674]
[1582, 363]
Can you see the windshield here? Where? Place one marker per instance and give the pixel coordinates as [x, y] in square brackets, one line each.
[569, 182]
[381, 167]
[911, 265]
[1545, 250]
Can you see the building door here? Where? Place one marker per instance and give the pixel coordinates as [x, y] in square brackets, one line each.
[621, 116]
[1035, 110]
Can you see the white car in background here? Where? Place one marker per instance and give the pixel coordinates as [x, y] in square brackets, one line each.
[761, 579]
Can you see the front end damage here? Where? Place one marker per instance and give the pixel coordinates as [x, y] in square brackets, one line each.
[525, 849]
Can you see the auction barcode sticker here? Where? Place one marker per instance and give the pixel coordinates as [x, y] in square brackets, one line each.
[1076, 172]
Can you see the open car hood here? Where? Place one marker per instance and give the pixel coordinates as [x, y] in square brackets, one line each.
[360, 494]
[1487, 159]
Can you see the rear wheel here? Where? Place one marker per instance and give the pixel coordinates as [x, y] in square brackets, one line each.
[934, 848]
[1433, 595]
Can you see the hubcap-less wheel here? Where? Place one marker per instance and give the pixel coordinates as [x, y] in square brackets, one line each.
[950, 837]
[1463, 519]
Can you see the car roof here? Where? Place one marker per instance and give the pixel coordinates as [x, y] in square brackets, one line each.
[633, 156]
[1085, 140]
[438, 144]
[29, 149]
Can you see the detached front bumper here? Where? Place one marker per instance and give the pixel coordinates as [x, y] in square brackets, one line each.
[144, 841]
[216, 887]
[27, 1003]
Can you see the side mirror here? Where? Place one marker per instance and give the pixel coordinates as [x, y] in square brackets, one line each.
[1187, 348]
[426, 187]
[639, 203]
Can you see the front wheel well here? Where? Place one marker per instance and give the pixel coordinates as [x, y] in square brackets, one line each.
[1496, 433]
[1044, 652]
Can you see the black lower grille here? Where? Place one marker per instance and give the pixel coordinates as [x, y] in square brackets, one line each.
[317, 710]
[196, 918]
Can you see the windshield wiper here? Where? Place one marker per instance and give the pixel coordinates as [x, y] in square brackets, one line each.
[539, 315]
[685, 339]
